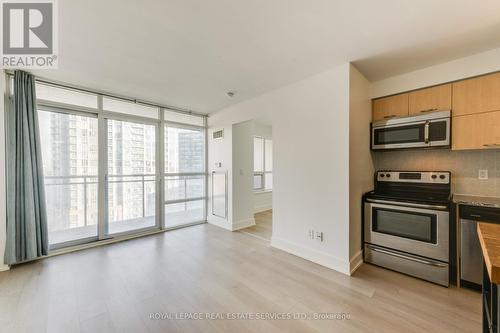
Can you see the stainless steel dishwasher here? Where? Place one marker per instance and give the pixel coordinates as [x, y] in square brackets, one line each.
[471, 257]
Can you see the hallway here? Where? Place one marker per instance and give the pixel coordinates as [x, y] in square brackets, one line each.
[263, 227]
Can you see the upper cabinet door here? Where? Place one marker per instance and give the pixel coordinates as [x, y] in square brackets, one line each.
[480, 94]
[436, 98]
[390, 107]
[489, 128]
[466, 133]
[476, 131]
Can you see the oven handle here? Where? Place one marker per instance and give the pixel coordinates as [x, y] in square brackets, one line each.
[402, 256]
[406, 204]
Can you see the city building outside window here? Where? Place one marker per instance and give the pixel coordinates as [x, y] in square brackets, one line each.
[72, 162]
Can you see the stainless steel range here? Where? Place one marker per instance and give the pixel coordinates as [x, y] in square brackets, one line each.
[407, 224]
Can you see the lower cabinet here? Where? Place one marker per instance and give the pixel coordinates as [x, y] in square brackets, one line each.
[476, 131]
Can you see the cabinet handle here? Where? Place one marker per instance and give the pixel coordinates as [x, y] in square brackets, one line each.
[490, 145]
[428, 110]
[389, 117]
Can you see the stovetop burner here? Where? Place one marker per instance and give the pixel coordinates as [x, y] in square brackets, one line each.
[412, 186]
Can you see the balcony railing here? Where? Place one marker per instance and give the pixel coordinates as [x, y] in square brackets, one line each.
[68, 181]
[141, 178]
[184, 193]
[180, 194]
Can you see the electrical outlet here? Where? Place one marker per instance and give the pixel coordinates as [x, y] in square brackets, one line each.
[310, 234]
[315, 235]
[483, 174]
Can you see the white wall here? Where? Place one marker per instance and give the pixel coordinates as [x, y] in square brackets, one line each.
[361, 163]
[242, 198]
[263, 130]
[481, 63]
[3, 212]
[310, 125]
[220, 152]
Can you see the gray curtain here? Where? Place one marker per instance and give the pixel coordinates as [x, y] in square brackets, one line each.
[27, 236]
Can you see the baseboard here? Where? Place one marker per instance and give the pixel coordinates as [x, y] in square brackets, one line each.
[355, 262]
[4, 268]
[261, 209]
[318, 257]
[232, 226]
[225, 224]
[243, 224]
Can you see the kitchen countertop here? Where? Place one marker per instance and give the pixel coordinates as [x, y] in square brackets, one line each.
[489, 237]
[475, 200]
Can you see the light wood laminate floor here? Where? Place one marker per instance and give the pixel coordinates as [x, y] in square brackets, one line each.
[263, 227]
[115, 288]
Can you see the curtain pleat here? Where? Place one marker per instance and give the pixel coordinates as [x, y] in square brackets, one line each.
[27, 235]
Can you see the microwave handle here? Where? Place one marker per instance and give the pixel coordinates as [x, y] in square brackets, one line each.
[426, 132]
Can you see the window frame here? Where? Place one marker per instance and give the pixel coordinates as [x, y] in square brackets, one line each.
[203, 173]
[105, 228]
[94, 115]
[102, 116]
[262, 174]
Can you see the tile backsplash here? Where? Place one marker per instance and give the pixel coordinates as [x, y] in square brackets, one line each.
[464, 167]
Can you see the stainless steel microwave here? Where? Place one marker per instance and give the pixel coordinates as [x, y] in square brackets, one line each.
[422, 131]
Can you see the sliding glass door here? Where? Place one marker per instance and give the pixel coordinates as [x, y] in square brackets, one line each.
[114, 167]
[185, 178]
[131, 180]
[70, 163]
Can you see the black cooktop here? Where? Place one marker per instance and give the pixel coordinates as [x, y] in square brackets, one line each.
[414, 197]
[415, 187]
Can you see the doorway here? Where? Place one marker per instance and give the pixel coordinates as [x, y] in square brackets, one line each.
[262, 180]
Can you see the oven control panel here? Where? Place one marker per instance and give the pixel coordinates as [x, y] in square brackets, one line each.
[432, 177]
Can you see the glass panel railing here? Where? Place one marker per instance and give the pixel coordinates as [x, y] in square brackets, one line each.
[184, 199]
[131, 202]
[71, 207]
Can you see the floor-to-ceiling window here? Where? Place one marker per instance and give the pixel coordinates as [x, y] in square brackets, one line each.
[101, 159]
[131, 190]
[70, 163]
[185, 178]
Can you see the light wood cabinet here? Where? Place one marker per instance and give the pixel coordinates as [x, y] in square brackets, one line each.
[464, 133]
[489, 127]
[475, 105]
[476, 95]
[390, 107]
[476, 131]
[436, 98]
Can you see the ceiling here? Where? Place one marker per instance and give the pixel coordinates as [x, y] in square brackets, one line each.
[189, 53]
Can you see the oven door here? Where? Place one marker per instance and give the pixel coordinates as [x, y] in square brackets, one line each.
[426, 133]
[417, 229]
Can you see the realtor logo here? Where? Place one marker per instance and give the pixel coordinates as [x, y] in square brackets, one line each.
[29, 34]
